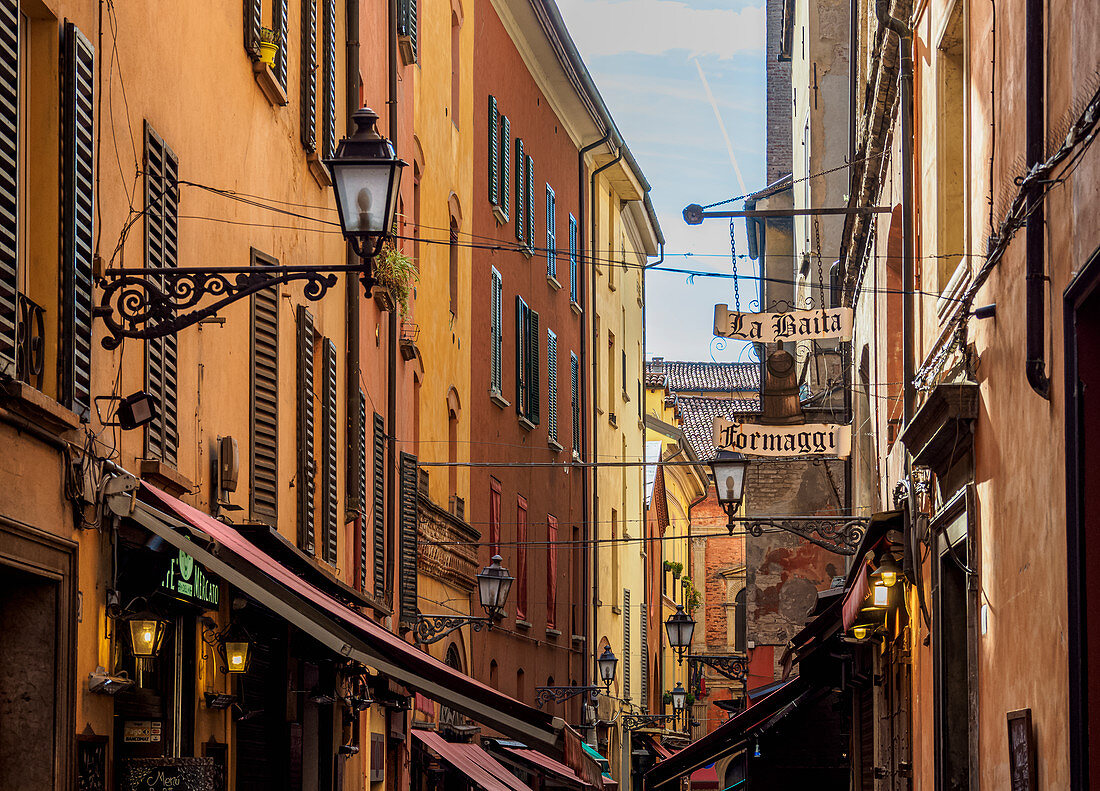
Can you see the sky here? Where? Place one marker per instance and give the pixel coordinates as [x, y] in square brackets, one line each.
[647, 57]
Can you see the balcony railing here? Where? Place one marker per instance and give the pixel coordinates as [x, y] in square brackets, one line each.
[30, 342]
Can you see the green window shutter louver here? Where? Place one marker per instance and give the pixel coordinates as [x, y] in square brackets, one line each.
[552, 385]
[533, 367]
[505, 166]
[529, 181]
[573, 291]
[494, 152]
[521, 193]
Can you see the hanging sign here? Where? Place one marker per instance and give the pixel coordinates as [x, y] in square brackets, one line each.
[809, 439]
[187, 581]
[792, 325]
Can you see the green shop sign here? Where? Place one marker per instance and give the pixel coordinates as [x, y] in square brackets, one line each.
[187, 581]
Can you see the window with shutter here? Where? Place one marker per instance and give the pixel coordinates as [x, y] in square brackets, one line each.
[551, 235]
[9, 181]
[161, 235]
[77, 220]
[574, 386]
[408, 537]
[529, 188]
[522, 350]
[328, 77]
[521, 193]
[280, 23]
[521, 558]
[360, 478]
[253, 12]
[330, 502]
[527, 362]
[378, 514]
[309, 75]
[552, 385]
[574, 292]
[265, 400]
[494, 516]
[496, 331]
[306, 462]
[626, 644]
[534, 370]
[407, 30]
[551, 572]
[505, 167]
[494, 152]
[643, 655]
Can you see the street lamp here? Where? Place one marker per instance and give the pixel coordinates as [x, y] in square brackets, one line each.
[146, 635]
[366, 175]
[729, 481]
[493, 584]
[238, 654]
[607, 662]
[679, 627]
[887, 572]
[679, 697]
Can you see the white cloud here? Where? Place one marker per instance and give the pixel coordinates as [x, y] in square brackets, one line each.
[654, 27]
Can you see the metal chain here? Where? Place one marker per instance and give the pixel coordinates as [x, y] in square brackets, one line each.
[733, 259]
[820, 272]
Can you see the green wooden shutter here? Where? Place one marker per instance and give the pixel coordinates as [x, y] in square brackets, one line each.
[533, 366]
[643, 655]
[407, 566]
[306, 455]
[521, 195]
[505, 166]
[528, 183]
[552, 385]
[494, 152]
[496, 333]
[9, 181]
[330, 501]
[574, 388]
[309, 75]
[378, 515]
[253, 12]
[281, 23]
[626, 642]
[328, 102]
[77, 220]
[521, 355]
[573, 259]
[265, 404]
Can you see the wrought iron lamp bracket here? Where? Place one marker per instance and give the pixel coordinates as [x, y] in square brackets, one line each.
[632, 722]
[433, 628]
[544, 695]
[154, 302]
[734, 667]
[836, 534]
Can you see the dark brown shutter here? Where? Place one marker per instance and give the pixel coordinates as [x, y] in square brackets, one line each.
[408, 537]
[280, 21]
[161, 236]
[328, 101]
[305, 430]
[309, 75]
[533, 378]
[626, 644]
[252, 23]
[330, 502]
[406, 23]
[360, 478]
[9, 180]
[378, 515]
[265, 401]
[77, 226]
[643, 655]
[521, 354]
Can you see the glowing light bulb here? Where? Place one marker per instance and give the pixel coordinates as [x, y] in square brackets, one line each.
[859, 632]
[882, 595]
[147, 636]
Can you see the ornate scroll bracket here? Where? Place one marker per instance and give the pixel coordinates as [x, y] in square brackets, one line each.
[544, 695]
[155, 302]
[838, 534]
[632, 722]
[735, 667]
[433, 628]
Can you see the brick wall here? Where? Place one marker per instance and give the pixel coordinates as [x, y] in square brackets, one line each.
[779, 138]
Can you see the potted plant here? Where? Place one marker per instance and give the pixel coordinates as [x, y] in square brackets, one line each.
[395, 273]
[269, 46]
[675, 567]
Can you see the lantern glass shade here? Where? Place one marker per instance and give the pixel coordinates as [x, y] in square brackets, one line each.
[237, 655]
[679, 697]
[366, 175]
[493, 584]
[607, 663]
[887, 572]
[146, 635]
[860, 631]
[679, 627]
[881, 594]
[729, 476]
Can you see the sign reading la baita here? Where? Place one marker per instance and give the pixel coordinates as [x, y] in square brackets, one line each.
[808, 439]
[792, 325]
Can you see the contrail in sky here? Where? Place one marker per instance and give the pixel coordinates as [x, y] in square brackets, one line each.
[722, 126]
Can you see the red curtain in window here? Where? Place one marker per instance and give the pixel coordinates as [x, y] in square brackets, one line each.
[521, 559]
[551, 571]
[494, 516]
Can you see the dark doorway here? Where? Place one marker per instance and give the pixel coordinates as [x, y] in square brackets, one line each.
[28, 703]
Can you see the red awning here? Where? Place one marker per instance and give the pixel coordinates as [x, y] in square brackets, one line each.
[704, 778]
[558, 768]
[853, 599]
[333, 624]
[655, 744]
[473, 762]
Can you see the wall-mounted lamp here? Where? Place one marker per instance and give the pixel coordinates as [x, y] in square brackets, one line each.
[238, 655]
[146, 634]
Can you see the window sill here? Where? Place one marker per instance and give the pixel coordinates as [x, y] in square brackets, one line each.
[265, 78]
[165, 476]
[527, 251]
[526, 424]
[576, 456]
[554, 445]
[553, 633]
[575, 308]
[524, 625]
[611, 285]
[616, 609]
[614, 421]
[553, 281]
[599, 410]
[578, 638]
[626, 398]
[318, 170]
[498, 399]
[500, 215]
[38, 407]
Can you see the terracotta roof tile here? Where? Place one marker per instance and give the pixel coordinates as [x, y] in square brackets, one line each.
[703, 377]
[698, 413]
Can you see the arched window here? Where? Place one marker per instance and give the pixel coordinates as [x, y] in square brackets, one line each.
[452, 251]
[739, 621]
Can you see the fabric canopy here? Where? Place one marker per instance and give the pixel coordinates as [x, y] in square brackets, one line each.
[473, 762]
[333, 624]
[549, 764]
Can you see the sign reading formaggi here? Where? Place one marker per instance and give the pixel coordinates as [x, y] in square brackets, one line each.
[808, 439]
[793, 325]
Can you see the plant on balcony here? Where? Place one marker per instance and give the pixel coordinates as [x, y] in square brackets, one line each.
[675, 567]
[692, 597]
[269, 46]
[395, 271]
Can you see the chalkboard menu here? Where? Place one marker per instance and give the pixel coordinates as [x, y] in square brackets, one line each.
[169, 774]
[91, 762]
[1021, 752]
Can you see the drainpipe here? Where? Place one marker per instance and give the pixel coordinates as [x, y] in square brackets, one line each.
[586, 667]
[595, 353]
[351, 103]
[391, 351]
[1034, 239]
